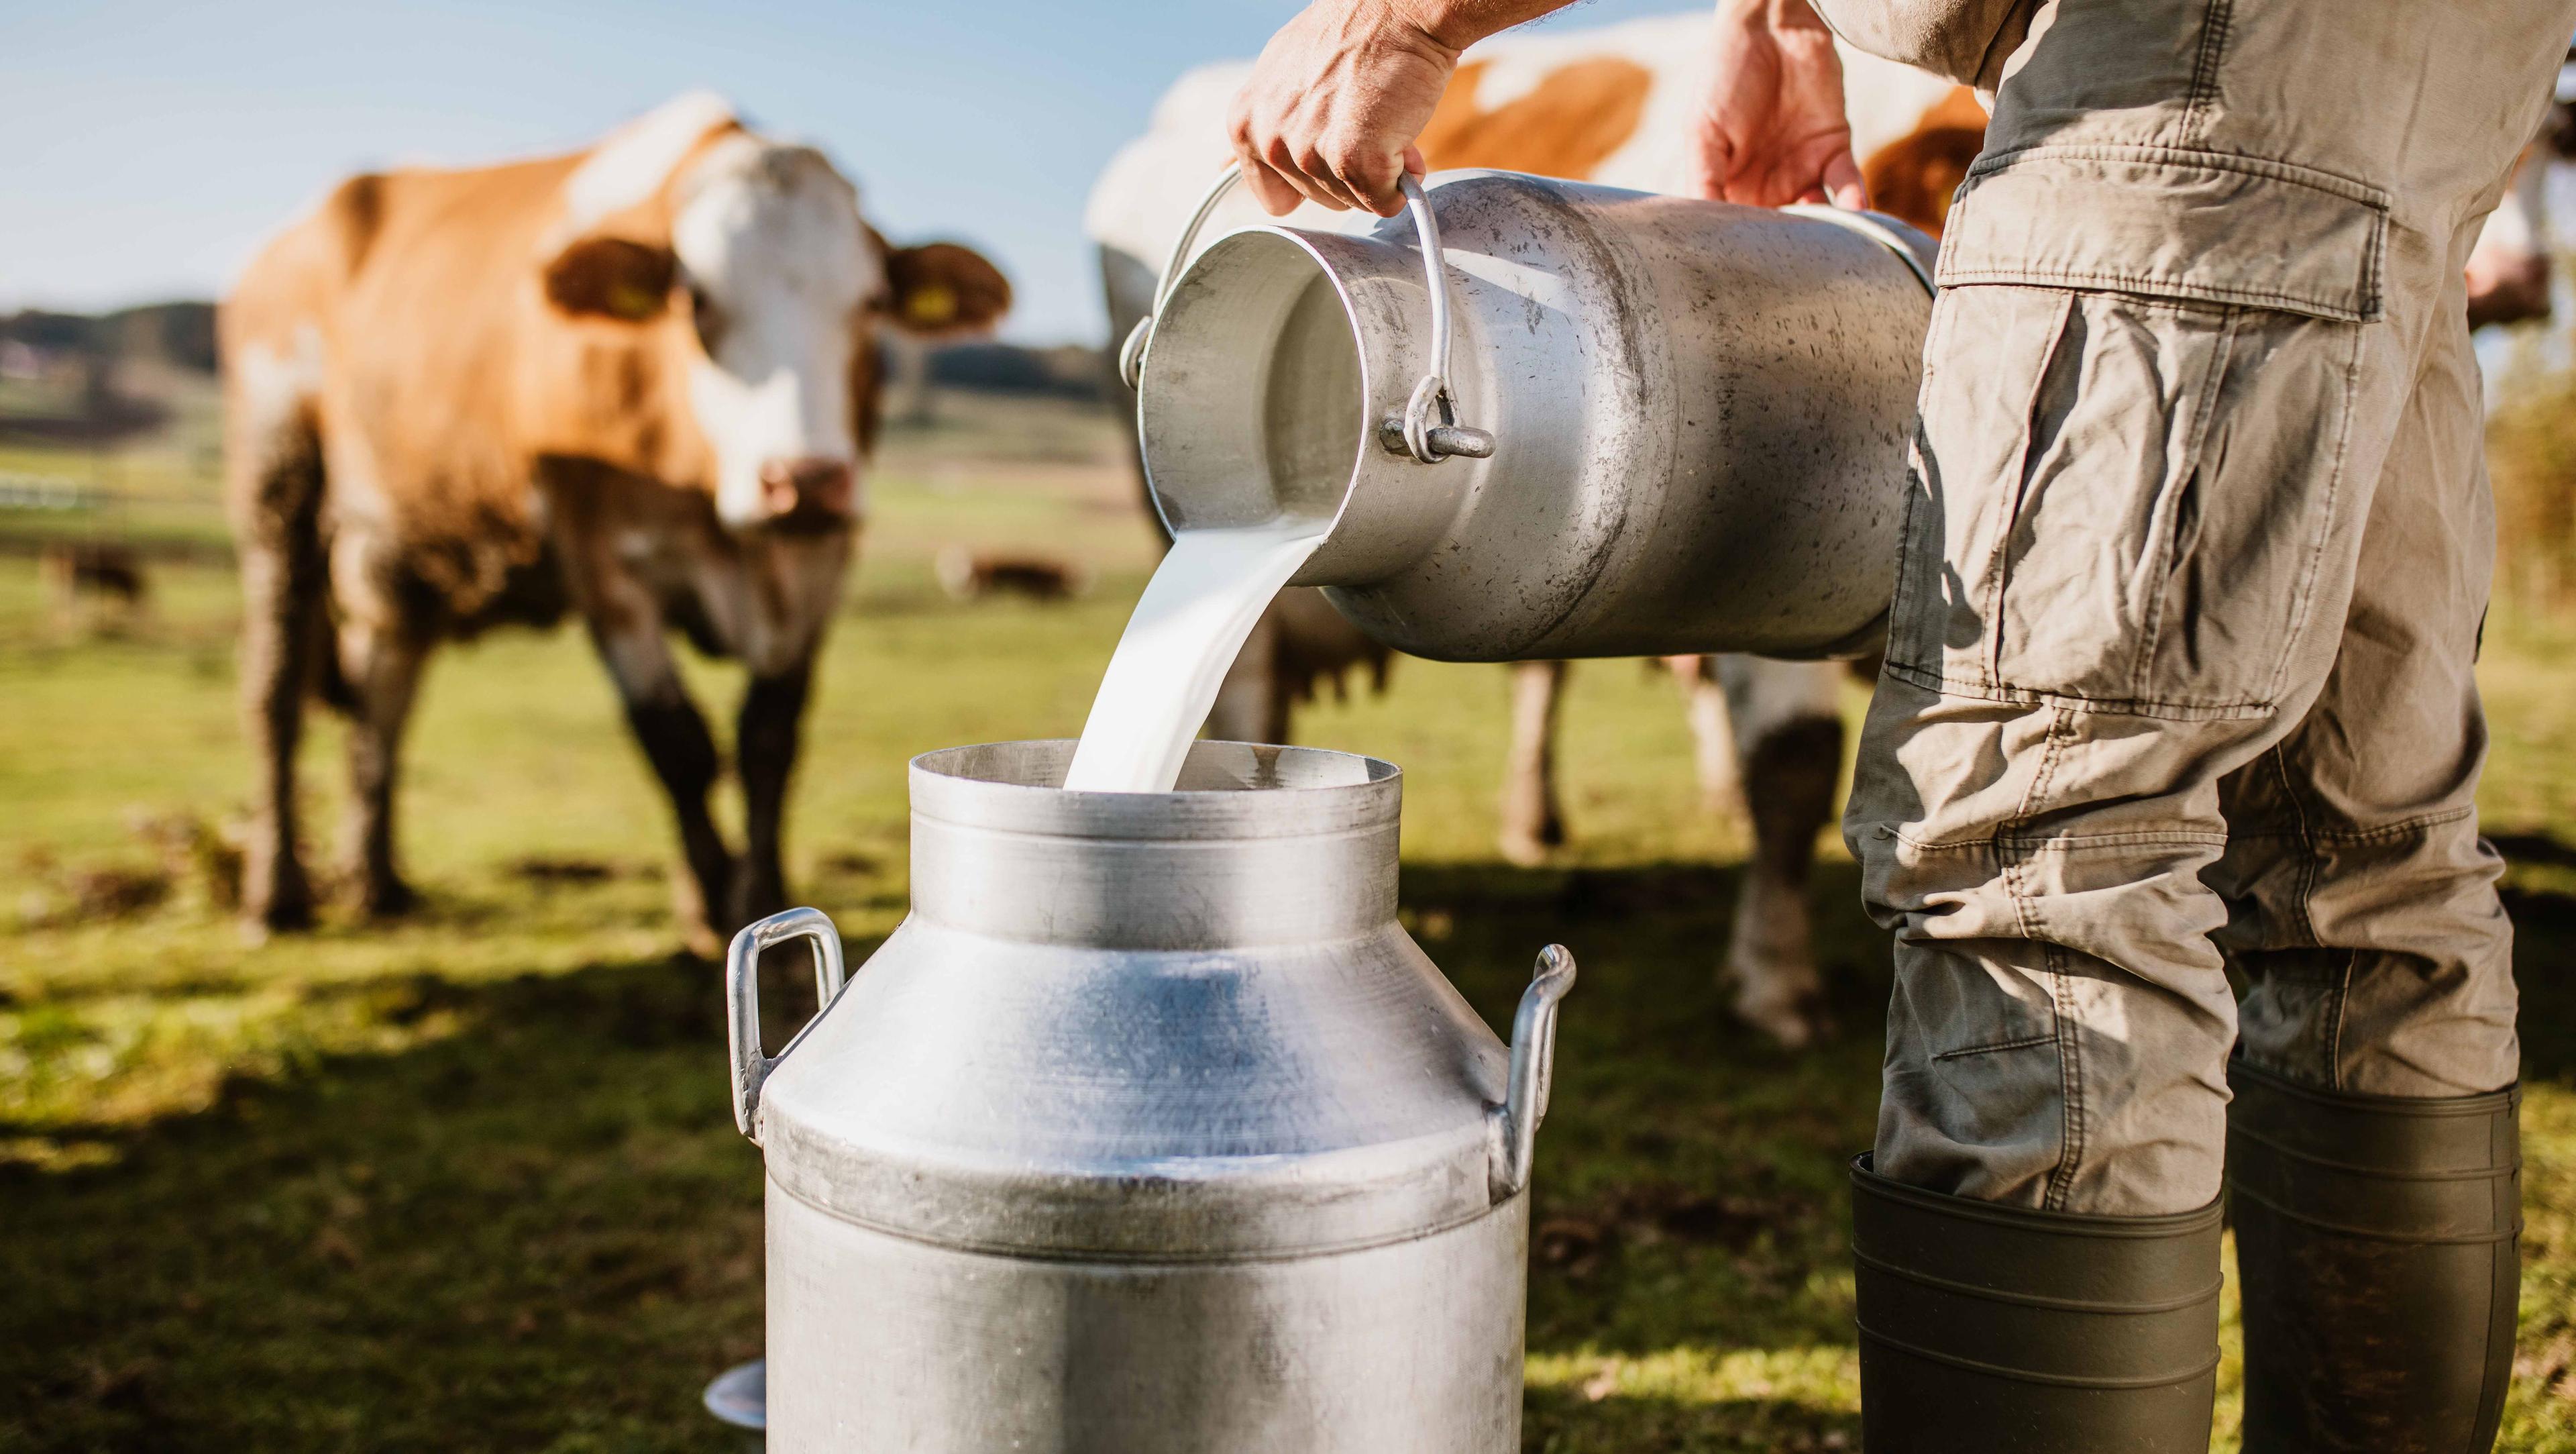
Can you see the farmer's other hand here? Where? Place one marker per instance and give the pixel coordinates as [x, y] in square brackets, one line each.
[1334, 104]
[1773, 129]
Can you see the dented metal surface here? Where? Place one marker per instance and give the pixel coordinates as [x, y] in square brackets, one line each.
[1699, 416]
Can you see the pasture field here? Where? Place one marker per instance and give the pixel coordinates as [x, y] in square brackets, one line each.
[470, 1181]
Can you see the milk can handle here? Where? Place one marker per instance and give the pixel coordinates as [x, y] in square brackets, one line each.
[742, 1001]
[1516, 1121]
[1415, 430]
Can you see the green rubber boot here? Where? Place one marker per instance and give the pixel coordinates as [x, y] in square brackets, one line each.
[1987, 1329]
[2377, 1242]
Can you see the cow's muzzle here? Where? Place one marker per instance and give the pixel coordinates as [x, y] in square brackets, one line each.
[808, 494]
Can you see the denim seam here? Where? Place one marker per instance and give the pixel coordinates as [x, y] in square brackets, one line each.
[2043, 843]
[2328, 1033]
[2069, 1071]
[1999, 563]
[2204, 72]
[2333, 498]
[2149, 153]
[2384, 832]
[1998, 1047]
[1941, 682]
[2124, 283]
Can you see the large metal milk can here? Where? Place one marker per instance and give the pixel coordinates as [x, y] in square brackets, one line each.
[1149, 1130]
[1545, 419]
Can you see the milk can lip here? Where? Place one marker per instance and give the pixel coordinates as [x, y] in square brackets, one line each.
[1227, 790]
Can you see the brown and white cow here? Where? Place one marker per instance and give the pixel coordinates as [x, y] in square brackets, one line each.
[1610, 105]
[2509, 267]
[638, 380]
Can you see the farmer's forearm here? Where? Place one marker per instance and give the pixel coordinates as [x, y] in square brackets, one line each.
[1458, 24]
[1777, 14]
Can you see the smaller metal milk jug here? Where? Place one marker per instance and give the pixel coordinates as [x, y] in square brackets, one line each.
[1150, 1131]
[1559, 420]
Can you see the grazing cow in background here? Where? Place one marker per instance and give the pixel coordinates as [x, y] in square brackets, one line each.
[967, 574]
[101, 570]
[638, 381]
[1614, 106]
[2509, 267]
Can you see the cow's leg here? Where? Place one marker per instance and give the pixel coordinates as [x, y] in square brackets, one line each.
[766, 738]
[1713, 751]
[1789, 730]
[380, 662]
[629, 632]
[276, 483]
[1532, 822]
[1252, 702]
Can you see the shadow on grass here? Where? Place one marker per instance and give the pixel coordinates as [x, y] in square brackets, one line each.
[1556, 1421]
[537, 1232]
[2544, 958]
[1689, 1185]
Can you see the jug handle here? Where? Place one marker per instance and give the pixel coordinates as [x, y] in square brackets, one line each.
[742, 1001]
[1516, 1121]
[1414, 430]
[1876, 226]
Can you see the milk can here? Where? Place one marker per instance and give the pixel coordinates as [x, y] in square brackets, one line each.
[1150, 1129]
[1546, 419]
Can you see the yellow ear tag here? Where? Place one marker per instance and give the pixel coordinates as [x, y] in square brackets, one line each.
[930, 305]
[632, 303]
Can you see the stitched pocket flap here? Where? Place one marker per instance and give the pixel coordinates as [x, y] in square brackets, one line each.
[2170, 222]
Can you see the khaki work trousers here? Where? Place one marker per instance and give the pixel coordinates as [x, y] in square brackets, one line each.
[2180, 662]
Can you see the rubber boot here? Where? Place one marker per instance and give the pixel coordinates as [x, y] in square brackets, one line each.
[2376, 1238]
[1987, 1329]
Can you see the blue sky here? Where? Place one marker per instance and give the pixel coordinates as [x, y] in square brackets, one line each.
[151, 144]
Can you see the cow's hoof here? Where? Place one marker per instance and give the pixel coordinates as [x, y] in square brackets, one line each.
[1522, 850]
[258, 925]
[1793, 1021]
[391, 899]
[287, 908]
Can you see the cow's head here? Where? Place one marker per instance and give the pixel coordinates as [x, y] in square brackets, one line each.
[751, 258]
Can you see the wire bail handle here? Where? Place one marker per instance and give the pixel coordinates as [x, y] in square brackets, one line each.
[1415, 431]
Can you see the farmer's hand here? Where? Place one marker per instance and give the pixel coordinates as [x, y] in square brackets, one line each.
[1773, 129]
[1335, 102]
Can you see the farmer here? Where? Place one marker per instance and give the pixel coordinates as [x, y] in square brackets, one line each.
[2178, 681]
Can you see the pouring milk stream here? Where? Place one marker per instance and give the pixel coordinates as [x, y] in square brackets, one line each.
[1212, 587]
[1164, 676]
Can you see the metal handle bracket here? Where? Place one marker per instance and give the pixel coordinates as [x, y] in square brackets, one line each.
[1515, 1122]
[742, 1001]
[1415, 431]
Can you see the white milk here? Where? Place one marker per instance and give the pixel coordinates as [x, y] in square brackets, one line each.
[1189, 624]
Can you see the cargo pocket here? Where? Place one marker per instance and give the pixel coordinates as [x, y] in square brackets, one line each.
[2107, 499]
[2132, 429]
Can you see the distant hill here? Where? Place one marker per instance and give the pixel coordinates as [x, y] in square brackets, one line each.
[180, 335]
[1066, 371]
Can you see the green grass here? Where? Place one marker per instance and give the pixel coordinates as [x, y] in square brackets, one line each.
[471, 1181]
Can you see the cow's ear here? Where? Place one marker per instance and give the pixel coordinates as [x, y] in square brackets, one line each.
[612, 277]
[943, 288]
